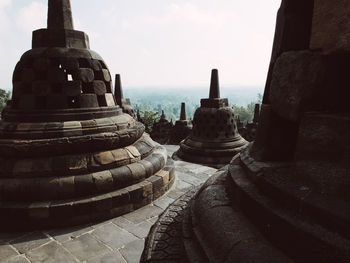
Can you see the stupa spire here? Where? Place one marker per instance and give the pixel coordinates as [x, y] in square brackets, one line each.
[214, 85]
[183, 112]
[256, 113]
[118, 91]
[60, 15]
[162, 117]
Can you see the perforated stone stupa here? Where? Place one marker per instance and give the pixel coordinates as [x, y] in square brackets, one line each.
[214, 138]
[182, 127]
[69, 154]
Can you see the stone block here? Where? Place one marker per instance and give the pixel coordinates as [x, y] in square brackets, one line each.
[121, 156]
[138, 171]
[120, 198]
[85, 247]
[143, 148]
[72, 88]
[147, 188]
[39, 210]
[330, 26]
[27, 102]
[88, 101]
[133, 150]
[41, 88]
[214, 103]
[41, 64]
[106, 100]
[82, 208]
[61, 210]
[296, 79]
[51, 251]
[122, 176]
[103, 181]
[103, 75]
[19, 89]
[56, 75]
[96, 65]
[77, 163]
[55, 101]
[102, 203]
[158, 184]
[28, 75]
[84, 184]
[66, 186]
[98, 87]
[148, 167]
[135, 192]
[104, 158]
[70, 64]
[86, 75]
[121, 210]
[22, 166]
[164, 175]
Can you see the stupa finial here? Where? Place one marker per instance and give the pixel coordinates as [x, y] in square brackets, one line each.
[118, 91]
[162, 117]
[214, 85]
[183, 112]
[60, 15]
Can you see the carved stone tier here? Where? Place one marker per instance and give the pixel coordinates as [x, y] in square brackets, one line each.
[214, 139]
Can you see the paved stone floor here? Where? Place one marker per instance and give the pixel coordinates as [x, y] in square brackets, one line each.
[118, 240]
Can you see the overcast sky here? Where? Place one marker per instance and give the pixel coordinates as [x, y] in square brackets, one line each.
[157, 42]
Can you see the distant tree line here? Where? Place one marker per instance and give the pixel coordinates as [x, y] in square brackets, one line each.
[4, 97]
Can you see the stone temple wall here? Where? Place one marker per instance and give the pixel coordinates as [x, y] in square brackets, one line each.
[331, 26]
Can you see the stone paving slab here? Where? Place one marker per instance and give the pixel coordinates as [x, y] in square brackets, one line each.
[118, 240]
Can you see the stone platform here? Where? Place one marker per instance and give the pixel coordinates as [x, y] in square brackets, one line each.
[117, 240]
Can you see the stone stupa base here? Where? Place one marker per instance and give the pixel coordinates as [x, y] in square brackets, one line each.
[243, 214]
[215, 154]
[125, 179]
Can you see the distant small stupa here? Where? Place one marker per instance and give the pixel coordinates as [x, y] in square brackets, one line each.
[161, 130]
[124, 103]
[182, 127]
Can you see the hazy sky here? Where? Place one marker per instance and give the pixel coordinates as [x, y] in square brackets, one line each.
[157, 42]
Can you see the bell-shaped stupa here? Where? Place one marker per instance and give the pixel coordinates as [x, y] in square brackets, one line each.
[214, 139]
[69, 154]
[182, 127]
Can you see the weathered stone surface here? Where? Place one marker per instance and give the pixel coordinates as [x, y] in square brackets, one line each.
[113, 236]
[60, 15]
[72, 88]
[111, 257]
[85, 247]
[143, 214]
[30, 241]
[132, 251]
[296, 79]
[331, 26]
[50, 252]
[7, 252]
